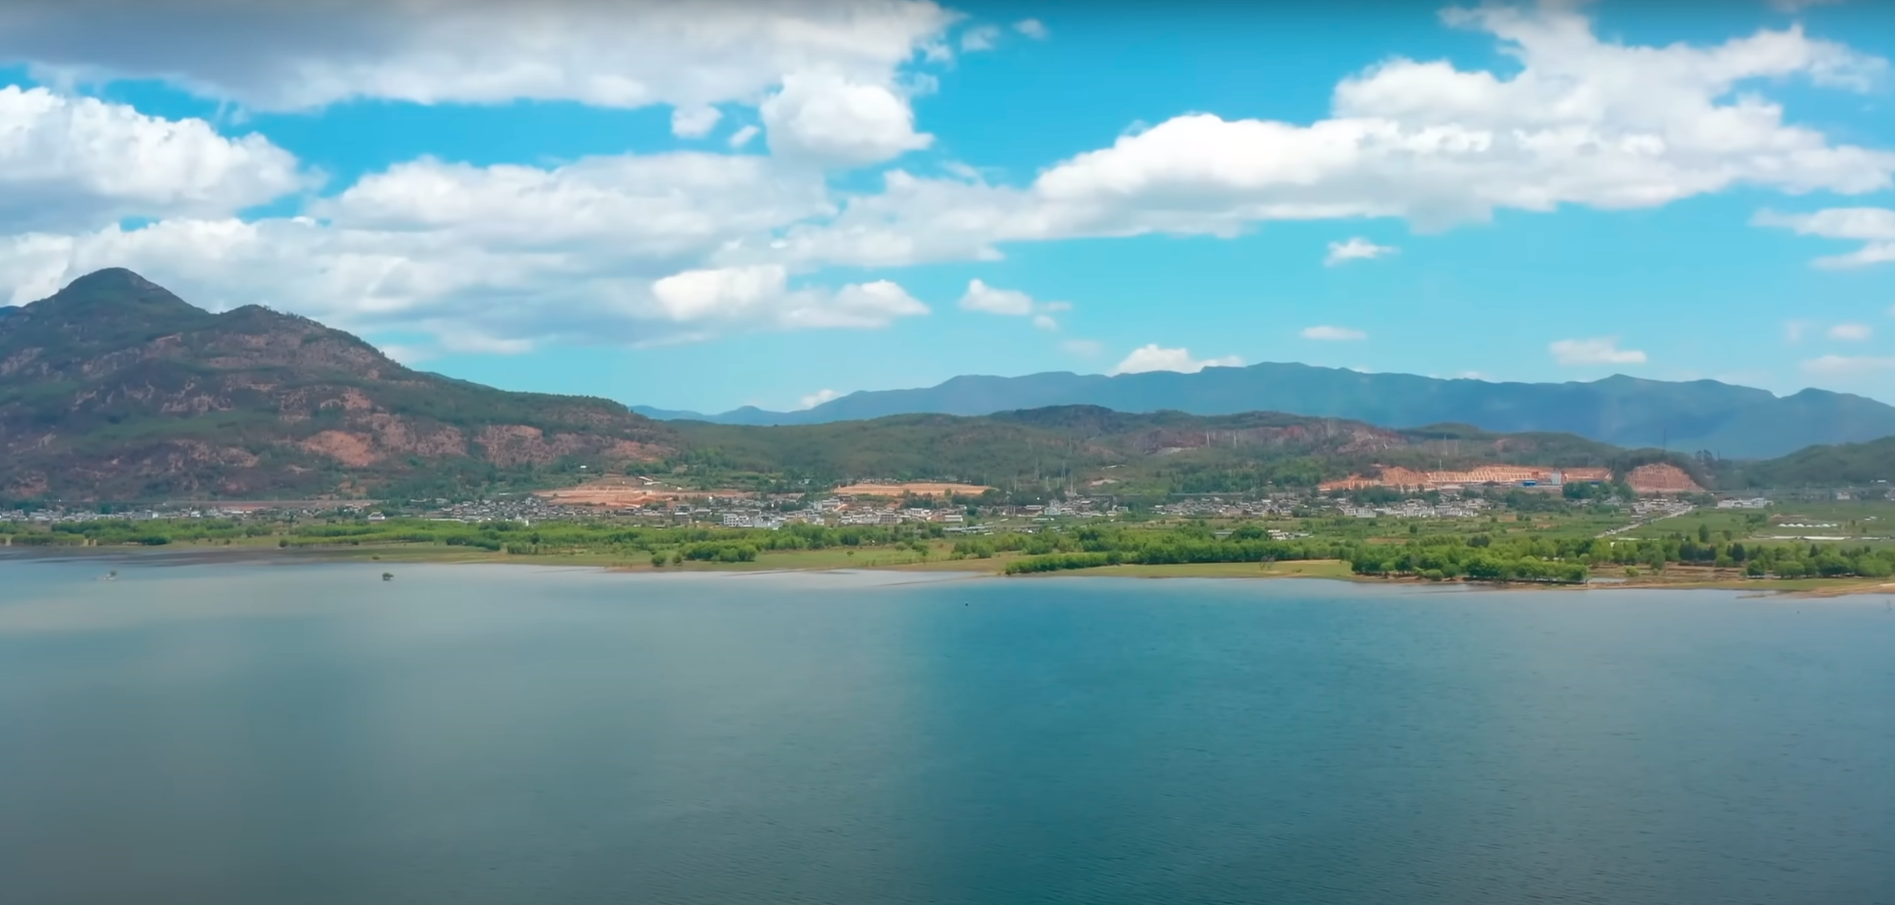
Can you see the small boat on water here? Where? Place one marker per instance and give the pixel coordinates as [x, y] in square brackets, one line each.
[388, 576]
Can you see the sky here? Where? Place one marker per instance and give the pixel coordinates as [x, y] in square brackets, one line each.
[713, 204]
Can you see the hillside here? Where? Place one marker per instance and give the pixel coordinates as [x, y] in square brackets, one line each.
[114, 388]
[1081, 447]
[1821, 466]
[1732, 421]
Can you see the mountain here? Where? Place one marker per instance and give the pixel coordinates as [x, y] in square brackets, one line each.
[1732, 421]
[748, 415]
[1822, 466]
[1087, 447]
[114, 388]
[8, 309]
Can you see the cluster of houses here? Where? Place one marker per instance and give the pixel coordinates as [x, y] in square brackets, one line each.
[1418, 508]
[768, 511]
[59, 515]
[1660, 508]
[1219, 507]
[843, 510]
[1452, 481]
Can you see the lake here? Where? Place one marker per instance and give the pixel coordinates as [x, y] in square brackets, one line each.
[258, 732]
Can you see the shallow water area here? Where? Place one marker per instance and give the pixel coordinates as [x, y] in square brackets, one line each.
[288, 731]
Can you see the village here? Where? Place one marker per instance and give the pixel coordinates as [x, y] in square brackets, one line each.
[954, 508]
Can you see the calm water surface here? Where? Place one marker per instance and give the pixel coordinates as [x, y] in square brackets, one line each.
[268, 733]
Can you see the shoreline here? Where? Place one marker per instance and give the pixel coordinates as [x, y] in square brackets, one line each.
[1311, 570]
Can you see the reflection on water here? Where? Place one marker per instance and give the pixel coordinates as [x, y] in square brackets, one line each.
[259, 732]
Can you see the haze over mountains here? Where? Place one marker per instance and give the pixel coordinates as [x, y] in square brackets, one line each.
[1731, 421]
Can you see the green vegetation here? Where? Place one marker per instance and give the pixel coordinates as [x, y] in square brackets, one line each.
[118, 389]
[122, 390]
[1091, 546]
[594, 539]
[1559, 548]
[1089, 450]
[1480, 559]
[1735, 421]
[1820, 466]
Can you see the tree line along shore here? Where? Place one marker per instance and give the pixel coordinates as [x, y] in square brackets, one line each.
[1540, 552]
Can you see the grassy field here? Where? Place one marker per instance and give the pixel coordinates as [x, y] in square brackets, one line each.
[1867, 522]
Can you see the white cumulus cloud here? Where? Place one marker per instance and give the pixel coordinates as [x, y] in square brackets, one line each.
[1356, 249]
[283, 55]
[629, 249]
[761, 295]
[1153, 357]
[982, 297]
[1874, 226]
[1574, 120]
[1602, 350]
[1011, 303]
[625, 249]
[677, 207]
[694, 122]
[979, 38]
[77, 162]
[1583, 121]
[831, 119]
[832, 76]
[1335, 334]
[490, 255]
[1851, 332]
[817, 398]
[1032, 28]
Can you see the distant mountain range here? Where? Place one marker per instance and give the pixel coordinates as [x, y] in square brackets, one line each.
[115, 389]
[1090, 449]
[1731, 421]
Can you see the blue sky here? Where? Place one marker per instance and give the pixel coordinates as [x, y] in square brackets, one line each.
[537, 197]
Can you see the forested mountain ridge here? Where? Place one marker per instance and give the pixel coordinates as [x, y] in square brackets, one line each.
[114, 388]
[1093, 449]
[1846, 464]
[1732, 421]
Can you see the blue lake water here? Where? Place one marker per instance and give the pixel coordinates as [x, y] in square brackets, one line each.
[262, 732]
